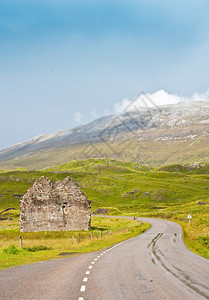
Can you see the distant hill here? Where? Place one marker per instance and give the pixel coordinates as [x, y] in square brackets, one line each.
[156, 136]
[195, 168]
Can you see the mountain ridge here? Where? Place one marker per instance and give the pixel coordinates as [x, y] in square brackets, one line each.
[181, 123]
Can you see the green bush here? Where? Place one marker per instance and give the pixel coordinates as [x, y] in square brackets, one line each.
[11, 250]
[204, 240]
[37, 248]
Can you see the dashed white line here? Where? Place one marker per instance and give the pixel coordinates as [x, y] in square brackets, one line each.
[85, 279]
[83, 288]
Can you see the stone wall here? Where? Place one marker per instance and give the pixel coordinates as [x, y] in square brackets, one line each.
[54, 207]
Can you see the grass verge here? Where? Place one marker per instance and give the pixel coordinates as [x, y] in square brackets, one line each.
[196, 242]
[40, 246]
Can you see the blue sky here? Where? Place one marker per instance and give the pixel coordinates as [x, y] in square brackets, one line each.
[65, 62]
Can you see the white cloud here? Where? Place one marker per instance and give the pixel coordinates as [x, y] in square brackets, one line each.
[158, 98]
[201, 96]
[78, 117]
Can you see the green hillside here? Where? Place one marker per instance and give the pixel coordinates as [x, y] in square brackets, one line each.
[126, 189]
[195, 168]
[150, 152]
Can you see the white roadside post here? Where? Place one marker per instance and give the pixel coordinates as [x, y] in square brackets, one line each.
[189, 217]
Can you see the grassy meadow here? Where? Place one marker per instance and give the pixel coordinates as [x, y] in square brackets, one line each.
[170, 192]
[37, 246]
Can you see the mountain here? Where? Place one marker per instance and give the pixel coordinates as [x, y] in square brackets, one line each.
[177, 133]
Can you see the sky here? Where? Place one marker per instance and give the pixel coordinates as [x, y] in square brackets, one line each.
[66, 62]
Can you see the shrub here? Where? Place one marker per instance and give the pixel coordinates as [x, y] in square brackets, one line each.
[11, 250]
[37, 248]
[204, 240]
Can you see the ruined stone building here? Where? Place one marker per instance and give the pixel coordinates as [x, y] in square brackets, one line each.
[54, 207]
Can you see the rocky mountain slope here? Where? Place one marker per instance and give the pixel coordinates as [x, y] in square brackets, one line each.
[150, 135]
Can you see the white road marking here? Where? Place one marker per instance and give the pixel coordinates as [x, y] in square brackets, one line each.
[83, 288]
[85, 279]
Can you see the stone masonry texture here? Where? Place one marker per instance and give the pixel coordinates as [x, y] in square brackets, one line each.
[54, 207]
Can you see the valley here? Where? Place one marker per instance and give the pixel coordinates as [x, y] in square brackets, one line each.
[123, 188]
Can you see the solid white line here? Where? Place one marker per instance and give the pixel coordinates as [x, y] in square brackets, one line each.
[83, 288]
[80, 298]
[90, 267]
[87, 272]
[85, 279]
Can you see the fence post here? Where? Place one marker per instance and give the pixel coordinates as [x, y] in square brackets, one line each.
[74, 239]
[20, 241]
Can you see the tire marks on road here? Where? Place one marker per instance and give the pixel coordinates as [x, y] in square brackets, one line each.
[175, 271]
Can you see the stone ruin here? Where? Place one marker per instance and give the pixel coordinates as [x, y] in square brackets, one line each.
[54, 207]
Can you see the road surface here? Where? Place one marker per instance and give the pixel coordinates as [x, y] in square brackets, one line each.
[154, 265]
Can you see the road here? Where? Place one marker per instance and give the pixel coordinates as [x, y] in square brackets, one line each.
[154, 265]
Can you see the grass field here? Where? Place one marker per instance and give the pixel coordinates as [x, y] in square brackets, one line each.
[37, 246]
[169, 192]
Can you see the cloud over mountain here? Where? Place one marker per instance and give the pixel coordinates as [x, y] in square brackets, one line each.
[158, 98]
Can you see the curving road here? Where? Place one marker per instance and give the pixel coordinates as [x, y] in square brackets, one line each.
[154, 265]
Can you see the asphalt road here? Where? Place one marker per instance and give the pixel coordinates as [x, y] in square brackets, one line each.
[154, 265]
